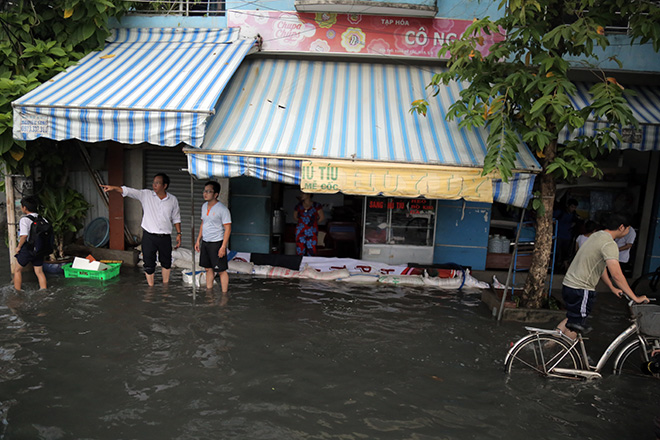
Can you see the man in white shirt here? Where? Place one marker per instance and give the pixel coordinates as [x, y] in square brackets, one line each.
[625, 244]
[160, 210]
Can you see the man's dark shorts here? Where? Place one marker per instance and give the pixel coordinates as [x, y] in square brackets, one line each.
[578, 303]
[26, 256]
[156, 243]
[208, 256]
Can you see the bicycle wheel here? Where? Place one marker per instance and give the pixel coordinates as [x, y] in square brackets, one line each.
[631, 359]
[539, 353]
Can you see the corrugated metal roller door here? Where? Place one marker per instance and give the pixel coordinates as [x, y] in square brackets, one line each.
[82, 182]
[171, 162]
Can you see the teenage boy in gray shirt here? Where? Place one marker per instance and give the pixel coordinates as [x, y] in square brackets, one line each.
[595, 258]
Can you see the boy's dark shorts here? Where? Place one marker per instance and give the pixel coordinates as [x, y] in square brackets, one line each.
[26, 256]
[578, 303]
[208, 256]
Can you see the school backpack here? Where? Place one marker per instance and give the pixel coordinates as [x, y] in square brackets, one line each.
[41, 236]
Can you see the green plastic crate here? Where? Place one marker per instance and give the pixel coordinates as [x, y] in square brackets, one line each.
[111, 272]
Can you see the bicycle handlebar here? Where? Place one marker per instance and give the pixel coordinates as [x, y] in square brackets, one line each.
[625, 296]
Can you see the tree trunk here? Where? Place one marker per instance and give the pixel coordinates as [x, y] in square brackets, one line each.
[535, 294]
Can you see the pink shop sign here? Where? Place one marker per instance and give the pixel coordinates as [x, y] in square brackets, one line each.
[351, 34]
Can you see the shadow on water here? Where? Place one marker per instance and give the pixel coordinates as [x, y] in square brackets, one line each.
[286, 359]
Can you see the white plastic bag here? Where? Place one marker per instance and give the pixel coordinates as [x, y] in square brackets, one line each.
[200, 277]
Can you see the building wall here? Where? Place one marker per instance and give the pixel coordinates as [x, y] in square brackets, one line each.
[637, 58]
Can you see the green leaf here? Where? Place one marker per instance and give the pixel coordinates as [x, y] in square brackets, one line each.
[58, 51]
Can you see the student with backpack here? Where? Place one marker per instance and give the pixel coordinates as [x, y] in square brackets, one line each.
[35, 242]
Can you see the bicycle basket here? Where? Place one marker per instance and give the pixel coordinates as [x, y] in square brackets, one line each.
[648, 318]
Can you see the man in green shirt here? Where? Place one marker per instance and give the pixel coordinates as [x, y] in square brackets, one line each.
[595, 258]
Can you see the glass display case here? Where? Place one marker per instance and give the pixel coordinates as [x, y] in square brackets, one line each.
[399, 221]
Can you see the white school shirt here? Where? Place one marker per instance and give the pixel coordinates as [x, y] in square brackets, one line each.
[214, 219]
[159, 214]
[25, 224]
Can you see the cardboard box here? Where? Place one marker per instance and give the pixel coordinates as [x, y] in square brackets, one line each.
[85, 264]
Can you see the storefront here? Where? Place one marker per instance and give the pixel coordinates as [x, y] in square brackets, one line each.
[345, 127]
[339, 129]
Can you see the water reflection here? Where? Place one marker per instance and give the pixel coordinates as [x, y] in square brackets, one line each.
[294, 359]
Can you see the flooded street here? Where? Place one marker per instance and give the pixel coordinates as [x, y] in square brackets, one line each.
[288, 359]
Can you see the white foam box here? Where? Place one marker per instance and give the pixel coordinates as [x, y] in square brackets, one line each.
[85, 264]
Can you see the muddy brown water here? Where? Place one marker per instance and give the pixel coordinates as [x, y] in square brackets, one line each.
[288, 359]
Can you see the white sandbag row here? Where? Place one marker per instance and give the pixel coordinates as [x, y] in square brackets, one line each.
[464, 279]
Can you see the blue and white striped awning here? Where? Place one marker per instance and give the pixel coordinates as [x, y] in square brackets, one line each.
[147, 85]
[276, 113]
[645, 106]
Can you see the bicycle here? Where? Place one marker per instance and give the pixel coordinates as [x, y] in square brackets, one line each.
[551, 353]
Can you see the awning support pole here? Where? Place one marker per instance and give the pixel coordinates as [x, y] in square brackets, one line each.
[513, 258]
[192, 236]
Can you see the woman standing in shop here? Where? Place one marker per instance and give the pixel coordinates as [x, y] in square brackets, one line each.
[307, 214]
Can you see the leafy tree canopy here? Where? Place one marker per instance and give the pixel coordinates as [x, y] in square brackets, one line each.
[521, 88]
[38, 39]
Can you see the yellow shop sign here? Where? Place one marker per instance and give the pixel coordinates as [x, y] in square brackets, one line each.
[400, 180]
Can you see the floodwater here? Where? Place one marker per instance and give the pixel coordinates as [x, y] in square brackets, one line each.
[287, 359]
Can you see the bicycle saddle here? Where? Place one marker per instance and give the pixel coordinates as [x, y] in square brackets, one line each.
[577, 328]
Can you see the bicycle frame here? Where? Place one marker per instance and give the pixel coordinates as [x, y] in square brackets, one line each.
[592, 372]
[609, 351]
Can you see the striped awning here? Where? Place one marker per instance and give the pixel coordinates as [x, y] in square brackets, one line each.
[147, 85]
[277, 113]
[645, 106]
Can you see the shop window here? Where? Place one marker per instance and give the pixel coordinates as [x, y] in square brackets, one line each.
[399, 221]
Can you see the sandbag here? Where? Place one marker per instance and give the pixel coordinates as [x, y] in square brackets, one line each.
[261, 269]
[183, 264]
[282, 272]
[238, 266]
[360, 278]
[313, 274]
[462, 280]
[444, 283]
[403, 280]
[471, 281]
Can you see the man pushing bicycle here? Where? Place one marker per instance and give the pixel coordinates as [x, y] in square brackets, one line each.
[595, 258]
